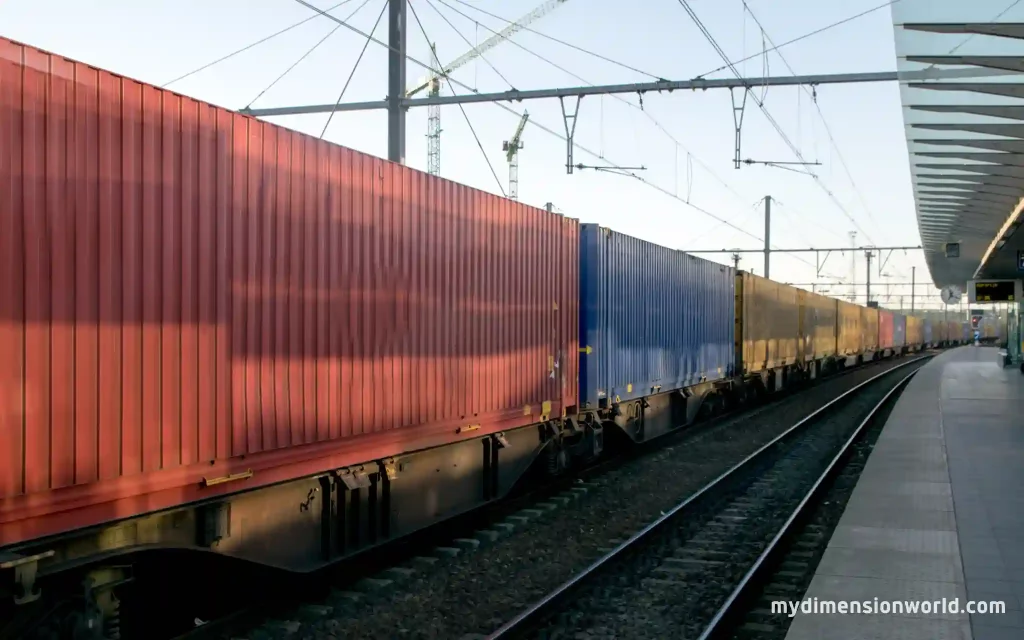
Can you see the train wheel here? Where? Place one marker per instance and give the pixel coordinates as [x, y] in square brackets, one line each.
[556, 459]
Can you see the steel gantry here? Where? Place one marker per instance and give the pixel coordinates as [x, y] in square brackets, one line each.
[397, 103]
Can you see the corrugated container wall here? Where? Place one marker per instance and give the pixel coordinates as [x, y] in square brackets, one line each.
[183, 285]
[851, 335]
[915, 331]
[929, 332]
[899, 330]
[886, 329]
[771, 323]
[818, 325]
[869, 328]
[651, 318]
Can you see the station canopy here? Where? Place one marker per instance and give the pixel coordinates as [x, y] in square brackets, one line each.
[965, 134]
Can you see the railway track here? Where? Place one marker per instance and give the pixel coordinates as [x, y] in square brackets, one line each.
[790, 564]
[697, 570]
[485, 577]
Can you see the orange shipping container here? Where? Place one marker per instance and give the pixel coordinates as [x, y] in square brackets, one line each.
[188, 292]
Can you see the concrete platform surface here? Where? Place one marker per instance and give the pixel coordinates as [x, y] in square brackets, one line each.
[938, 512]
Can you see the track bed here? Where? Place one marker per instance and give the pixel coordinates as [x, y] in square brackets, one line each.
[477, 590]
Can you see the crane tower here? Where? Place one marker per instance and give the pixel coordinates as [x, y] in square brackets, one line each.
[432, 83]
[511, 149]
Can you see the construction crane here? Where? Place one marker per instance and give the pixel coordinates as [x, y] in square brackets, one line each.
[432, 83]
[511, 149]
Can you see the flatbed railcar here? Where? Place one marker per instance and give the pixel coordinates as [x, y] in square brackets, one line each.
[656, 334]
[225, 338]
[220, 335]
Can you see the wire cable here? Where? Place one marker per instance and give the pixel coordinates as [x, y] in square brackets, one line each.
[621, 99]
[553, 39]
[461, 107]
[508, 40]
[805, 36]
[821, 115]
[814, 100]
[471, 45]
[796, 151]
[352, 73]
[250, 46]
[306, 55]
[534, 123]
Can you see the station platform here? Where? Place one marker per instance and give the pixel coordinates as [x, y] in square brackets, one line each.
[938, 511]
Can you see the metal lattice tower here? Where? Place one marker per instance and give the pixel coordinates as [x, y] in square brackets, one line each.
[432, 83]
[513, 176]
[511, 149]
[853, 266]
[434, 124]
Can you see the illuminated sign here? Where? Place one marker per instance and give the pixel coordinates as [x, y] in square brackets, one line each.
[994, 291]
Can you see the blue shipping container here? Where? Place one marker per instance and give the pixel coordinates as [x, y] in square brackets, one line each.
[652, 319]
[899, 330]
[927, 331]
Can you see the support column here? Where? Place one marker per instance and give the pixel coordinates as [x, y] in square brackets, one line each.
[867, 254]
[767, 233]
[396, 80]
[913, 286]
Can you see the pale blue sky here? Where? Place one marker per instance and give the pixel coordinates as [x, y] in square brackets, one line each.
[158, 40]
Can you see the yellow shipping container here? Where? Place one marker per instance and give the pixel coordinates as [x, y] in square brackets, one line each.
[817, 325]
[851, 338]
[769, 319]
[915, 331]
[869, 328]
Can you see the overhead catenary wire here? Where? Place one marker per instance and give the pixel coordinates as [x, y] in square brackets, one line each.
[647, 114]
[732, 67]
[828, 130]
[471, 45]
[508, 40]
[355, 66]
[307, 54]
[824, 121]
[250, 46]
[461, 107]
[553, 39]
[809, 34]
[796, 151]
[534, 123]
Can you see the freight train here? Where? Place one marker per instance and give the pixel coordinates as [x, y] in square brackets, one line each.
[222, 337]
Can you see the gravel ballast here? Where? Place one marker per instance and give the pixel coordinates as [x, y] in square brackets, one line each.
[476, 590]
[671, 583]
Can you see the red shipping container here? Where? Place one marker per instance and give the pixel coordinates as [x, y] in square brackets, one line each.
[885, 329]
[188, 293]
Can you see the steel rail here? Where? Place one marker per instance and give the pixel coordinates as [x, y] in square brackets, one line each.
[539, 610]
[719, 623]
